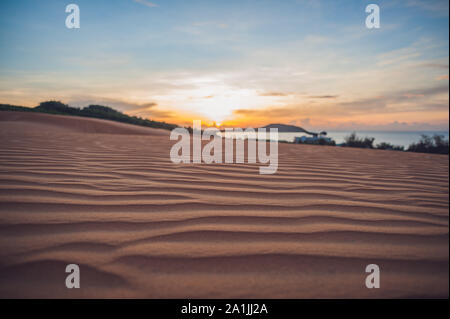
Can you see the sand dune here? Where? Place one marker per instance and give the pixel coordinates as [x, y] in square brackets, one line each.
[106, 196]
[50, 122]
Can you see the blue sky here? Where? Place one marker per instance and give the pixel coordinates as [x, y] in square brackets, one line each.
[310, 63]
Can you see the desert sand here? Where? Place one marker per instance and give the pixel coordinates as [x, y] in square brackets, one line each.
[106, 196]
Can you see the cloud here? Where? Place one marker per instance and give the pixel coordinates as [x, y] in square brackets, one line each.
[413, 95]
[146, 3]
[430, 91]
[270, 112]
[434, 65]
[323, 96]
[153, 114]
[274, 94]
[145, 110]
[149, 105]
[429, 103]
[123, 106]
[420, 99]
[442, 77]
[399, 55]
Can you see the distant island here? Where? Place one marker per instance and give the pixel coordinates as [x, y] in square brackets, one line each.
[283, 128]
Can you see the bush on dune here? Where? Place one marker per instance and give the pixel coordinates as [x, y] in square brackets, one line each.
[435, 144]
[9, 107]
[106, 112]
[389, 146]
[57, 107]
[354, 141]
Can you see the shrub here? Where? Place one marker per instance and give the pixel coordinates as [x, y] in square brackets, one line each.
[317, 141]
[57, 107]
[435, 144]
[389, 146]
[354, 141]
[9, 107]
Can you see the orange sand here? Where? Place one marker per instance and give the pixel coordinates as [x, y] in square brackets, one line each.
[106, 196]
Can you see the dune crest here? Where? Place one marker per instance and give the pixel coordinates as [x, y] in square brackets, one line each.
[76, 124]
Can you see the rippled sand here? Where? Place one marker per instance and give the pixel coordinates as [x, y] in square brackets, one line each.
[106, 196]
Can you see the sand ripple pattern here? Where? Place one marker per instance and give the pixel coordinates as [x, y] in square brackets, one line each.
[140, 226]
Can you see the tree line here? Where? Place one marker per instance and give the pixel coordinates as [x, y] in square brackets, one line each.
[96, 111]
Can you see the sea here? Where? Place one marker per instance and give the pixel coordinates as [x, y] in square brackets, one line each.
[400, 138]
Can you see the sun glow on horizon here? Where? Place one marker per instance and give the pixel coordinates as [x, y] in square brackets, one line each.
[215, 100]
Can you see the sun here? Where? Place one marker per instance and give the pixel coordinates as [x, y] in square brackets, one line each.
[215, 99]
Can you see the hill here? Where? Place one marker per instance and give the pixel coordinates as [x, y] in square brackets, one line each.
[94, 111]
[287, 128]
[53, 124]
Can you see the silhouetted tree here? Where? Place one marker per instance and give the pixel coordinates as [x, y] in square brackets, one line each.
[389, 146]
[436, 144]
[354, 141]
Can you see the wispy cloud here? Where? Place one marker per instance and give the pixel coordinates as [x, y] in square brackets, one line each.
[147, 110]
[429, 103]
[274, 94]
[121, 105]
[146, 3]
[324, 96]
[435, 65]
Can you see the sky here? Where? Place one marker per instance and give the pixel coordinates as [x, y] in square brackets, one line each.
[311, 63]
